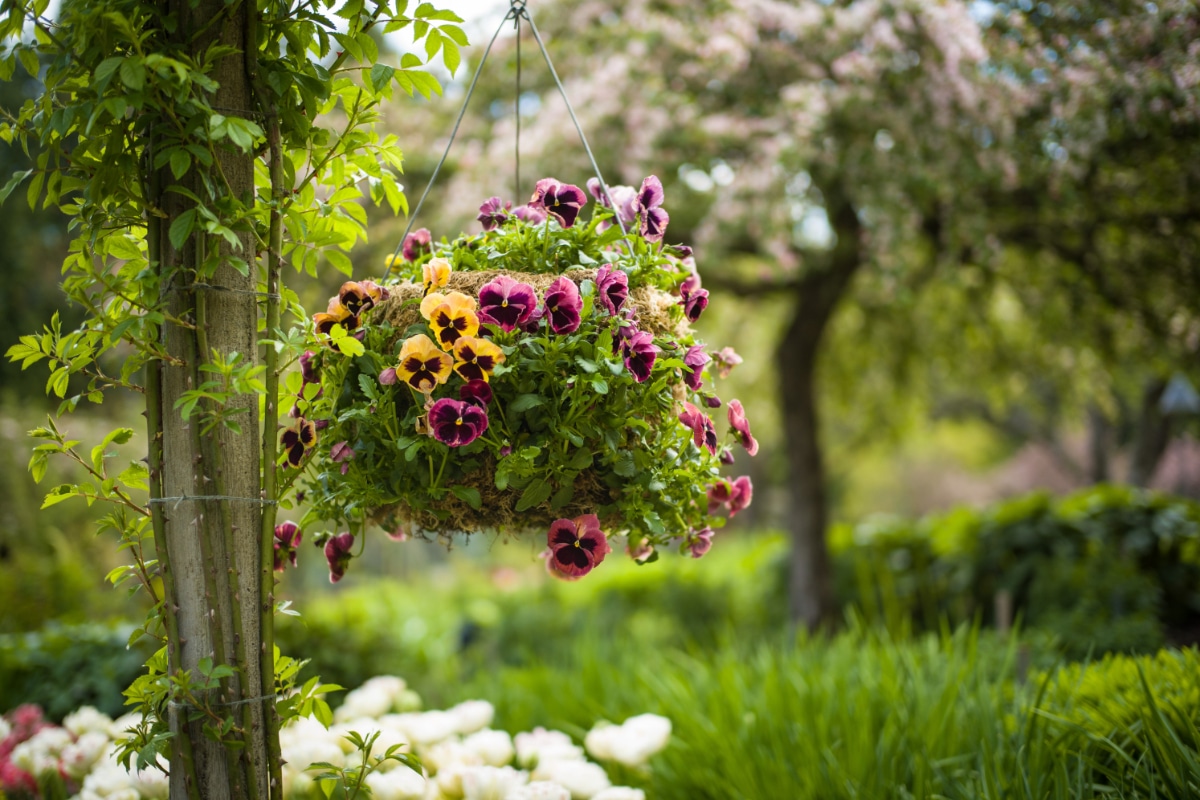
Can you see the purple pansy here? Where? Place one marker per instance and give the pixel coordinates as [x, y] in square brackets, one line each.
[529, 214]
[506, 303]
[695, 304]
[337, 553]
[694, 359]
[654, 218]
[640, 353]
[577, 545]
[562, 305]
[703, 432]
[690, 284]
[741, 427]
[287, 540]
[476, 392]
[308, 371]
[416, 244]
[560, 200]
[388, 376]
[700, 542]
[612, 285]
[624, 201]
[493, 213]
[457, 423]
[726, 456]
[342, 453]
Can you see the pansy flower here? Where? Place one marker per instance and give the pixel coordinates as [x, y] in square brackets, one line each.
[641, 551]
[735, 495]
[695, 304]
[612, 286]
[654, 218]
[690, 284]
[337, 554]
[529, 215]
[435, 273]
[416, 244]
[356, 297]
[335, 314]
[287, 540]
[493, 213]
[560, 200]
[474, 359]
[694, 359]
[624, 201]
[741, 427]
[308, 371]
[703, 432]
[456, 423]
[563, 305]
[453, 319]
[298, 439]
[422, 365]
[342, 453]
[577, 545]
[726, 359]
[640, 354]
[477, 392]
[699, 542]
[506, 303]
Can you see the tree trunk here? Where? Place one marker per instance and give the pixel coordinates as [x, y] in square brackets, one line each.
[1099, 434]
[213, 545]
[811, 600]
[1151, 436]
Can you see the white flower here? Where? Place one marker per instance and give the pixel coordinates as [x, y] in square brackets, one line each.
[42, 751]
[582, 779]
[632, 743]
[398, 784]
[5, 729]
[449, 780]
[540, 790]
[491, 783]
[364, 702]
[87, 719]
[429, 727]
[542, 745]
[494, 748]
[80, 755]
[471, 716]
[108, 780]
[620, 793]
[443, 755]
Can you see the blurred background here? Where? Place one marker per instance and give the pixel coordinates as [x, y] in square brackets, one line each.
[956, 244]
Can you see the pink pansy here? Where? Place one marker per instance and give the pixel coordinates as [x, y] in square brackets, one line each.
[654, 218]
[530, 215]
[457, 423]
[743, 493]
[493, 213]
[417, 244]
[624, 198]
[577, 545]
[694, 360]
[700, 542]
[741, 427]
[506, 303]
[703, 433]
[342, 453]
[563, 305]
[477, 392]
[287, 540]
[640, 354]
[726, 359]
[560, 200]
[695, 304]
[612, 286]
[690, 284]
[337, 553]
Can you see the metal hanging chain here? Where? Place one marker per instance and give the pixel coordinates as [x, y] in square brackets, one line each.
[517, 108]
[516, 12]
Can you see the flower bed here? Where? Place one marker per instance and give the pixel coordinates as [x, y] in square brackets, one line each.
[542, 375]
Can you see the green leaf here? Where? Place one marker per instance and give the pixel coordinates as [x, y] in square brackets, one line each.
[13, 183]
[182, 228]
[107, 68]
[600, 385]
[563, 496]
[469, 495]
[625, 466]
[534, 493]
[181, 162]
[133, 74]
[29, 60]
[581, 460]
[59, 493]
[381, 76]
[525, 402]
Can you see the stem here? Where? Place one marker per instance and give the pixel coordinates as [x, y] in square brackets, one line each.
[438, 480]
[181, 746]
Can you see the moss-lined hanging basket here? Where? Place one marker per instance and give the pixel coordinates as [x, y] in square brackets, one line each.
[541, 371]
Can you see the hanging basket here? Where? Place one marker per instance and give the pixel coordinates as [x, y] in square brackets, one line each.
[544, 369]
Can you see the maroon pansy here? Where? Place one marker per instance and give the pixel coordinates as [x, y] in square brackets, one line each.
[530, 215]
[337, 553]
[726, 456]
[417, 244]
[700, 542]
[477, 392]
[640, 353]
[298, 439]
[624, 201]
[287, 540]
[719, 495]
[342, 453]
[563, 305]
[456, 423]
[560, 200]
[712, 401]
[577, 545]
[741, 495]
[654, 218]
[703, 432]
[493, 213]
[690, 284]
[506, 303]
[695, 304]
[741, 427]
[308, 371]
[612, 285]
[694, 359]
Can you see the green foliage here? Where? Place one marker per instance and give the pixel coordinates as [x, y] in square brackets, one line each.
[1109, 568]
[63, 667]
